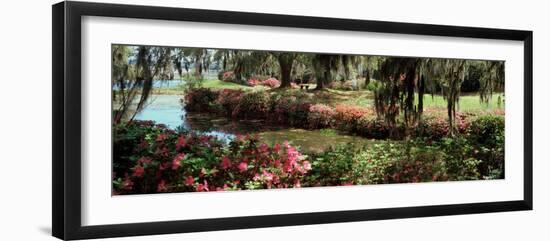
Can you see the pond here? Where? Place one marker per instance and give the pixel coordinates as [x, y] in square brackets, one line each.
[168, 110]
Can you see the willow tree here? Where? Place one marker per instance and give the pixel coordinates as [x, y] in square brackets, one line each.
[450, 74]
[150, 63]
[401, 82]
[123, 85]
[326, 65]
[491, 79]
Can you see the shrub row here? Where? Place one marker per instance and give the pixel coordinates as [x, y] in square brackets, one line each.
[299, 110]
[150, 158]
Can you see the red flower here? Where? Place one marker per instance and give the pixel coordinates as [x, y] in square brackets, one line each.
[144, 160]
[138, 171]
[226, 163]
[127, 184]
[243, 166]
[202, 187]
[276, 148]
[181, 142]
[189, 181]
[176, 162]
[264, 147]
[161, 187]
[143, 145]
[162, 137]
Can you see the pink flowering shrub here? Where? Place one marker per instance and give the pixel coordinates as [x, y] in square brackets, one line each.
[372, 127]
[150, 159]
[253, 81]
[252, 105]
[229, 99]
[320, 116]
[437, 127]
[271, 82]
[199, 100]
[227, 76]
[347, 116]
[290, 110]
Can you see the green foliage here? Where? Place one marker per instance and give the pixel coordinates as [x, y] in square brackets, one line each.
[255, 104]
[487, 134]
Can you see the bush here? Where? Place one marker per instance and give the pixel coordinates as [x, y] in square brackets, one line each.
[372, 127]
[253, 82]
[271, 83]
[487, 135]
[320, 116]
[226, 76]
[347, 117]
[149, 159]
[437, 127]
[229, 99]
[199, 99]
[290, 110]
[252, 105]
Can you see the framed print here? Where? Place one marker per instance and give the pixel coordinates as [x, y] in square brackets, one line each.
[169, 120]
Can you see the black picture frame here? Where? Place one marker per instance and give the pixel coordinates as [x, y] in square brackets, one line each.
[66, 59]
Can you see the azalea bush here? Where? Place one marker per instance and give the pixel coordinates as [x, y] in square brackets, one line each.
[373, 127]
[269, 82]
[254, 104]
[227, 76]
[437, 126]
[320, 116]
[348, 116]
[150, 158]
[290, 110]
[229, 99]
[487, 135]
[199, 99]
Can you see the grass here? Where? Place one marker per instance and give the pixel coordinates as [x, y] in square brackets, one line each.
[466, 102]
[218, 84]
[365, 98]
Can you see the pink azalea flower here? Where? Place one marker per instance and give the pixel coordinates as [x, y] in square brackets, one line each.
[226, 163]
[163, 166]
[202, 187]
[162, 137]
[264, 147]
[143, 145]
[276, 148]
[138, 171]
[127, 184]
[243, 166]
[306, 165]
[161, 187]
[144, 160]
[176, 163]
[181, 142]
[297, 183]
[189, 181]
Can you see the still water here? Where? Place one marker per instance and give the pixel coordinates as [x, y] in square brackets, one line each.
[168, 110]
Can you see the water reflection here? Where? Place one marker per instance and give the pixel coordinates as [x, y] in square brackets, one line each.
[168, 110]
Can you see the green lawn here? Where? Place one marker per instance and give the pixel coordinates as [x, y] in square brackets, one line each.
[466, 102]
[364, 98]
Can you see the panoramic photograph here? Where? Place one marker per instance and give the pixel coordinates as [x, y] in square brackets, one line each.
[190, 119]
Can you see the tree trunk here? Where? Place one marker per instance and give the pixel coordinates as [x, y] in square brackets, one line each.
[285, 64]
